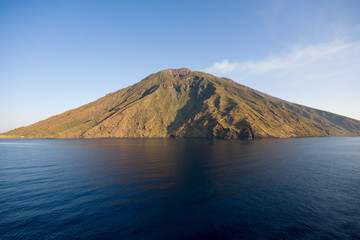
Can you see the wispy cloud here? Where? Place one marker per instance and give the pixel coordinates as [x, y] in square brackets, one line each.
[324, 76]
[298, 57]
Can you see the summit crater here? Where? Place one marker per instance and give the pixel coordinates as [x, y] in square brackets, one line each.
[178, 73]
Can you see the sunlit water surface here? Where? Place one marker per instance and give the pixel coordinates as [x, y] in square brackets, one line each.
[305, 188]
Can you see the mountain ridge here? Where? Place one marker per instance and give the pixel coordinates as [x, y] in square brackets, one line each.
[186, 103]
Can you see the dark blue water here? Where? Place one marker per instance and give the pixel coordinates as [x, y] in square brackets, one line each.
[180, 189]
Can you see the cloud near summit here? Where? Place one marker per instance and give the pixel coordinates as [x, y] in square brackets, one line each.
[337, 52]
[314, 75]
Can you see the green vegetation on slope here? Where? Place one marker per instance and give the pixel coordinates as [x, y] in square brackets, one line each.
[184, 103]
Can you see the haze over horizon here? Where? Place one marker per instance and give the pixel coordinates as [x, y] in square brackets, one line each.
[59, 55]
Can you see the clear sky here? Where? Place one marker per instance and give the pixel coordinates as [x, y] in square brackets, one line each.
[59, 55]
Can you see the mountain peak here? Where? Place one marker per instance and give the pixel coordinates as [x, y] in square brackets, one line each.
[180, 72]
[198, 105]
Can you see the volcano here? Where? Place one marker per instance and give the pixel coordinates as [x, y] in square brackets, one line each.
[185, 103]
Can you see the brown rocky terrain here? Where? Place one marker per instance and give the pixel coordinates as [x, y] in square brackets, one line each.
[185, 103]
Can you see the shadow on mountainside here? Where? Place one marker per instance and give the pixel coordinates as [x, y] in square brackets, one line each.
[195, 119]
[185, 117]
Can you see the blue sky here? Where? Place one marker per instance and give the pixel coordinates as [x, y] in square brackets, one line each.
[59, 55]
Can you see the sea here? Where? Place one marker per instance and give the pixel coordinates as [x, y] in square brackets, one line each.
[300, 188]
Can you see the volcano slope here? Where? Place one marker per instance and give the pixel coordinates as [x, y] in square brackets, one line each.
[185, 103]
